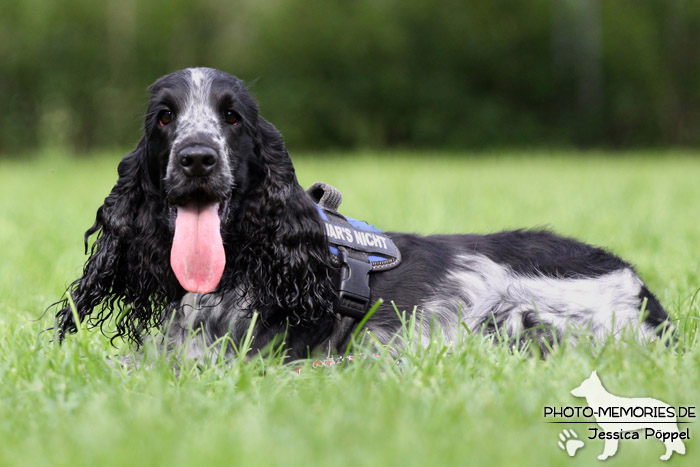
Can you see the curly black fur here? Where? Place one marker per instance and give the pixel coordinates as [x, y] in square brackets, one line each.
[276, 252]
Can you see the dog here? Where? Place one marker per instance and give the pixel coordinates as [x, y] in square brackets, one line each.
[597, 398]
[207, 228]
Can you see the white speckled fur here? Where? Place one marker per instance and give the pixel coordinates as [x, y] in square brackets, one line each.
[199, 119]
[481, 290]
[187, 328]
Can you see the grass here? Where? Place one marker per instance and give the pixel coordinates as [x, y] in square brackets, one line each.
[480, 403]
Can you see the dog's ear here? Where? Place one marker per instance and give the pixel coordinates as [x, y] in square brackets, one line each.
[121, 271]
[134, 190]
[288, 262]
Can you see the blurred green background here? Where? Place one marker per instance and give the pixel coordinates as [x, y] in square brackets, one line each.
[363, 73]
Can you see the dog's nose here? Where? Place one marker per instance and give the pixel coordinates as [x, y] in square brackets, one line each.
[197, 161]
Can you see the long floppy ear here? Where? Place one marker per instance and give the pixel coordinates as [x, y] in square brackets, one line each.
[288, 262]
[125, 272]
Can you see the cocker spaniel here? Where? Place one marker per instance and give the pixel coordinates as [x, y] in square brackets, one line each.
[208, 225]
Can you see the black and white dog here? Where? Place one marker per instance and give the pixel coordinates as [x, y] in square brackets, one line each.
[207, 225]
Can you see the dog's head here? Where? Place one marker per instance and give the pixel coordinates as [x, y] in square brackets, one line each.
[588, 386]
[201, 141]
[207, 201]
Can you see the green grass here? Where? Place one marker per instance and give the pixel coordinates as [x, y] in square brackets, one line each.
[478, 404]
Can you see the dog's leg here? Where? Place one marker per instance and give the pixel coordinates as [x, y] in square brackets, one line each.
[667, 455]
[672, 446]
[609, 449]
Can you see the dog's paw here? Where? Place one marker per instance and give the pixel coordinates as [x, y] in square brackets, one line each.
[569, 442]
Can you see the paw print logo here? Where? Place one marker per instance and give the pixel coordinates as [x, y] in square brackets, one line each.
[569, 442]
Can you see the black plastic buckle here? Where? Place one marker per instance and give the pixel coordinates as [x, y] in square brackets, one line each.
[353, 295]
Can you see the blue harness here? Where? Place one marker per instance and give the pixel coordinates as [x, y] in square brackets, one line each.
[356, 246]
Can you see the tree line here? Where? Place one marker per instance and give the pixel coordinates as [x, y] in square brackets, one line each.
[363, 74]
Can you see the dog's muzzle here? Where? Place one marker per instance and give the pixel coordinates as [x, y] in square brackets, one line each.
[197, 160]
[199, 194]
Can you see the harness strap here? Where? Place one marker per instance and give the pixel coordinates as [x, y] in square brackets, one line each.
[357, 247]
[353, 290]
[353, 293]
[325, 195]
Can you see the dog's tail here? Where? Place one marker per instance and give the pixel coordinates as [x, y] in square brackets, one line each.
[654, 314]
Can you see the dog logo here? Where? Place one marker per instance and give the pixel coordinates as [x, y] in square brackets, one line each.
[621, 417]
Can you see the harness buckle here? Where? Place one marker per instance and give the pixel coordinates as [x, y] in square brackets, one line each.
[353, 295]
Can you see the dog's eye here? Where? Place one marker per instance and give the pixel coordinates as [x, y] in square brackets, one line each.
[231, 117]
[165, 117]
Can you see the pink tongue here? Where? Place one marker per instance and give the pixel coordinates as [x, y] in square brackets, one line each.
[197, 256]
